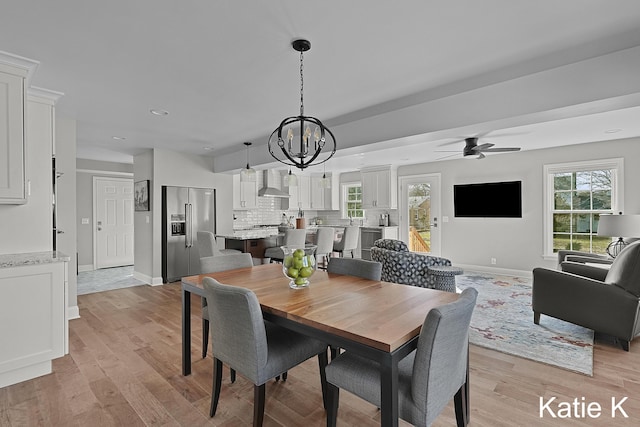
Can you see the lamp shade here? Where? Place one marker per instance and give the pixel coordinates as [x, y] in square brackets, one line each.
[619, 226]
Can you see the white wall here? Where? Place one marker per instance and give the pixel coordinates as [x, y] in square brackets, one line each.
[65, 143]
[164, 167]
[28, 227]
[516, 243]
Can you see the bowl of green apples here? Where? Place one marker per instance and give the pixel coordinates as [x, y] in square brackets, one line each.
[298, 264]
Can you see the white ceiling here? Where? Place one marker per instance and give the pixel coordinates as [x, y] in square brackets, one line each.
[226, 73]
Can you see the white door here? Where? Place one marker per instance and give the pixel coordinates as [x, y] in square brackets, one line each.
[113, 222]
[420, 222]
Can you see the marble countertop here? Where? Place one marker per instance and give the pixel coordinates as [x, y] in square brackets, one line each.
[32, 258]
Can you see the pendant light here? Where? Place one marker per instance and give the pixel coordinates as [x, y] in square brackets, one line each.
[248, 174]
[309, 148]
[325, 182]
[290, 180]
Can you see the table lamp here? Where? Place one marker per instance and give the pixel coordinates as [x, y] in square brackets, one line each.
[618, 226]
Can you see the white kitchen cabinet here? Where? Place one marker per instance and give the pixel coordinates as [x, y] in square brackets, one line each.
[323, 198]
[245, 194]
[13, 188]
[304, 192]
[33, 318]
[379, 188]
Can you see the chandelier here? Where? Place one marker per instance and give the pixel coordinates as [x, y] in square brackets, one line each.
[300, 146]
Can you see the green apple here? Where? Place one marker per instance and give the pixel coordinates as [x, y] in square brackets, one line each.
[293, 272]
[298, 253]
[288, 261]
[306, 271]
[300, 281]
[298, 263]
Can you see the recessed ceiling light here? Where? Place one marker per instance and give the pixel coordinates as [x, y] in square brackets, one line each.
[159, 112]
[118, 138]
[612, 130]
[207, 148]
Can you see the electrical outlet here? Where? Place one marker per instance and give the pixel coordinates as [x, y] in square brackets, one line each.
[493, 261]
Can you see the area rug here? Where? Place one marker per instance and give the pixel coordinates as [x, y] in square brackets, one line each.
[503, 321]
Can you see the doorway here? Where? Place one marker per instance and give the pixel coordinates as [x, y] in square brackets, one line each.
[420, 213]
[113, 222]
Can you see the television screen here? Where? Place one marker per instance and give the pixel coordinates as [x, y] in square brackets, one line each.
[488, 200]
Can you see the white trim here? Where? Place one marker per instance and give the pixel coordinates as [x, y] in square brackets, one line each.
[617, 202]
[73, 312]
[100, 172]
[86, 267]
[153, 281]
[469, 269]
[343, 198]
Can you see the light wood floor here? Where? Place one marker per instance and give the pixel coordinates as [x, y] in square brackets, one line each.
[124, 370]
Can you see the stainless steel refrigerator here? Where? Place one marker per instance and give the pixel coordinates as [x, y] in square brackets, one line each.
[185, 211]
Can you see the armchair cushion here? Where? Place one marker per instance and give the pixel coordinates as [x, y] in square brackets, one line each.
[399, 265]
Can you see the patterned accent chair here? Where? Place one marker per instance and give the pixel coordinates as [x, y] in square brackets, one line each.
[399, 265]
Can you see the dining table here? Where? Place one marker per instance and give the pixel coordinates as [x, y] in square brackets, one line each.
[374, 319]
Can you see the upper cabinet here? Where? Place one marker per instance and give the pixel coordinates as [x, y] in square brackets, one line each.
[245, 194]
[325, 198]
[379, 188]
[13, 188]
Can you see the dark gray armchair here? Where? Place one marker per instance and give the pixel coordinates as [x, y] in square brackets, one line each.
[606, 301]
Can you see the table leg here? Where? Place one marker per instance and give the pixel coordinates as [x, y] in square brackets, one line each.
[186, 332]
[389, 392]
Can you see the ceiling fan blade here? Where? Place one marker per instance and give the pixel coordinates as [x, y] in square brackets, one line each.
[451, 142]
[483, 147]
[501, 150]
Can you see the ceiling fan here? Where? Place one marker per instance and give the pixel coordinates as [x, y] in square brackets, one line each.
[471, 148]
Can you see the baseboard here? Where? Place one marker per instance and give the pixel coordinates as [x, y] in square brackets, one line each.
[153, 281]
[494, 270]
[88, 267]
[73, 312]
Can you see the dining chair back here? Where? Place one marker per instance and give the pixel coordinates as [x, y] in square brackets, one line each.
[213, 264]
[349, 240]
[257, 349]
[427, 378]
[292, 237]
[324, 242]
[366, 269]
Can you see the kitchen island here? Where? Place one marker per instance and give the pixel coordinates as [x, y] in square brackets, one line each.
[33, 314]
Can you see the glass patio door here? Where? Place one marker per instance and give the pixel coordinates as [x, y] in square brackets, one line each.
[420, 213]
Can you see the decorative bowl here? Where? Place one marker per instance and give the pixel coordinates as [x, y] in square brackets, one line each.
[298, 265]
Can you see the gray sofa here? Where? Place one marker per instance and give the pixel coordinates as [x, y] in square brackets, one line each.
[399, 265]
[606, 301]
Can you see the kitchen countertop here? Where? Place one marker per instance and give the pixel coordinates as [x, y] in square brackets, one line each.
[32, 258]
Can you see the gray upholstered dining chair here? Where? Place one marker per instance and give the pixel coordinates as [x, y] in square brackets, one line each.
[427, 378]
[293, 237]
[356, 267]
[348, 242]
[324, 244]
[257, 349]
[212, 264]
[207, 246]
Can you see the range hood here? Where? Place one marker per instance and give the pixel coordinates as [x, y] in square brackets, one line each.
[270, 185]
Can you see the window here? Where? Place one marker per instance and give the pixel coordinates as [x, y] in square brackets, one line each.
[576, 195]
[352, 201]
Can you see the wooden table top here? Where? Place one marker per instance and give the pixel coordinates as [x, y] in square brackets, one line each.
[379, 314]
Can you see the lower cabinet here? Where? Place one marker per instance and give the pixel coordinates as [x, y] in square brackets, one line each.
[368, 235]
[33, 320]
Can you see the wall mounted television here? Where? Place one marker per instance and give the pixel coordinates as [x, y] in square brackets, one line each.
[488, 200]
